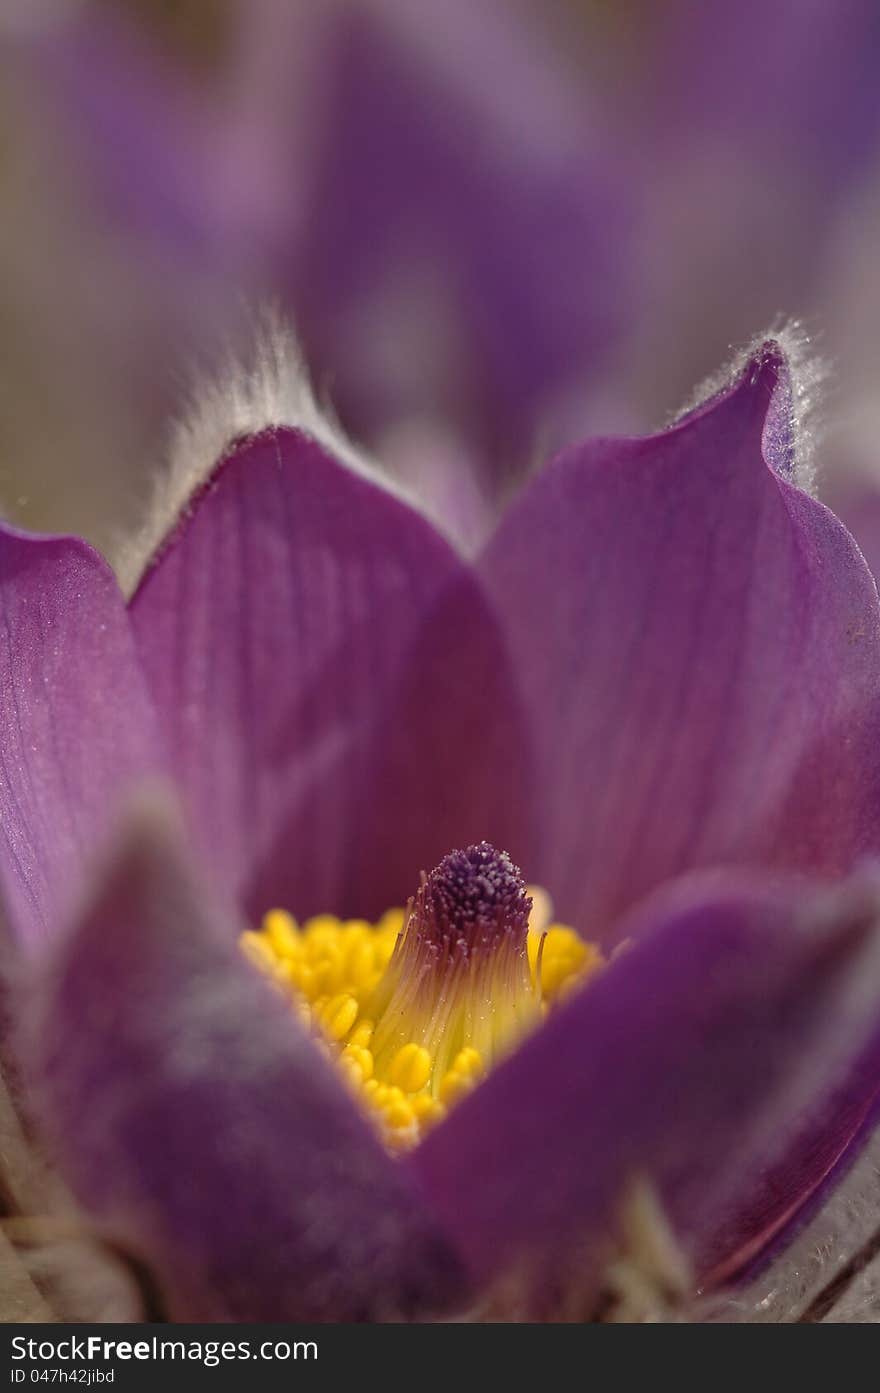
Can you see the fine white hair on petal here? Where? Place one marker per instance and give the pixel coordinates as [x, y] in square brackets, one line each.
[808, 373]
[268, 387]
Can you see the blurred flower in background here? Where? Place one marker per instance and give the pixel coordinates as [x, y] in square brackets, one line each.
[496, 226]
[451, 247]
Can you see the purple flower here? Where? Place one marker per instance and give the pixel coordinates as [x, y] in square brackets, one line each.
[657, 685]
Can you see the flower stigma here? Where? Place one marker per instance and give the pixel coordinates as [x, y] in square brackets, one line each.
[418, 1007]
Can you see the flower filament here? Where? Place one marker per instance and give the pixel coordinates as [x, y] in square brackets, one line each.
[418, 1007]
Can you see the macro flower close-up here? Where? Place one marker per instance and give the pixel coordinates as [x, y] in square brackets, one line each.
[440, 855]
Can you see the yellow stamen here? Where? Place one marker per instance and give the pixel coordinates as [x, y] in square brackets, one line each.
[411, 1067]
[412, 1042]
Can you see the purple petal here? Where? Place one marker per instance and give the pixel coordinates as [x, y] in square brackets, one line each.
[200, 1125]
[754, 126]
[694, 1061]
[140, 134]
[78, 723]
[757, 77]
[699, 643]
[406, 289]
[332, 687]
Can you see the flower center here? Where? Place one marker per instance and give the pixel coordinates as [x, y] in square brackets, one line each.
[418, 1007]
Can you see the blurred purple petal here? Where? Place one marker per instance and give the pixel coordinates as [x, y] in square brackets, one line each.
[140, 132]
[198, 1122]
[468, 229]
[694, 1061]
[78, 723]
[700, 646]
[756, 129]
[451, 246]
[436, 466]
[798, 76]
[315, 650]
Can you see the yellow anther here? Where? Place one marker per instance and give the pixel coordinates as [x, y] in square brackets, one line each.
[361, 1059]
[282, 932]
[411, 1067]
[565, 956]
[303, 978]
[330, 971]
[360, 962]
[322, 924]
[454, 1086]
[338, 1016]
[428, 1111]
[362, 1033]
[398, 1114]
[392, 922]
[358, 926]
[468, 1062]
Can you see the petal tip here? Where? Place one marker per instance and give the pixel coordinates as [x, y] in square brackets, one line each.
[783, 364]
[261, 389]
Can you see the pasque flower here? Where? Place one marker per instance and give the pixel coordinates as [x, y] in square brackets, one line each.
[656, 688]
